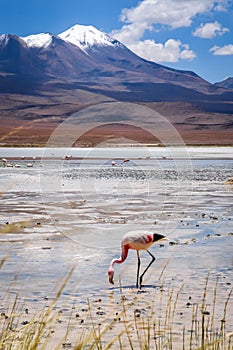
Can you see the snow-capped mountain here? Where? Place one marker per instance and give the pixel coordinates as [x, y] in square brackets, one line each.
[85, 57]
[111, 53]
[38, 40]
[45, 78]
[85, 37]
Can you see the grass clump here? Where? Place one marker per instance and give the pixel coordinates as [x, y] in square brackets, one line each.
[154, 325]
[153, 318]
[33, 334]
[15, 227]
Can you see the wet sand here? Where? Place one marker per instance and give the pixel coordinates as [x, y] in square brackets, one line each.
[55, 219]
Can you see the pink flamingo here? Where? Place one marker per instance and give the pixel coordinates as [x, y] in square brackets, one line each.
[136, 240]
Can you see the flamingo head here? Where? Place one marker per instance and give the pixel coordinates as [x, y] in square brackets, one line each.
[110, 276]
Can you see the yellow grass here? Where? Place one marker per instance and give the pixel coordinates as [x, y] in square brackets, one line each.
[129, 323]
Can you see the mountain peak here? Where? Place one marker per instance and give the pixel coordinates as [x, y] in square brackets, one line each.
[38, 40]
[226, 83]
[86, 36]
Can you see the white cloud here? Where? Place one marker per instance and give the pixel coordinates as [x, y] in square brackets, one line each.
[173, 13]
[221, 7]
[129, 33]
[169, 13]
[171, 51]
[222, 51]
[210, 30]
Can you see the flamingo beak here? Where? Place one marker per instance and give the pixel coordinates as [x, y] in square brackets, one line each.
[111, 278]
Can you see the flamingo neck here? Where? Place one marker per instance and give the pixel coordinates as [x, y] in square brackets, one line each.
[124, 254]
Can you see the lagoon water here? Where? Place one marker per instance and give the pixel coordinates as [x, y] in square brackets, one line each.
[130, 152]
[72, 207]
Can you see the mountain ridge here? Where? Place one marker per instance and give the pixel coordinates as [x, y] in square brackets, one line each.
[96, 68]
[102, 50]
[226, 83]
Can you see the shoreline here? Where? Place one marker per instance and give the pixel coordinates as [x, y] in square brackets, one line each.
[120, 155]
[18, 159]
[119, 145]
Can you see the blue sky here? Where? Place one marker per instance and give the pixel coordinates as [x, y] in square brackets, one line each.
[193, 35]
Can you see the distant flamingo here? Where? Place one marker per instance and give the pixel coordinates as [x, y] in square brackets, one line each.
[4, 160]
[136, 240]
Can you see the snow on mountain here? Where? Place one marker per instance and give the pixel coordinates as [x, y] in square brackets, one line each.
[86, 36]
[3, 37]
[38, 40]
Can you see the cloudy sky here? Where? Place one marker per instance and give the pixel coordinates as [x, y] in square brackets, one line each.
[193, 35]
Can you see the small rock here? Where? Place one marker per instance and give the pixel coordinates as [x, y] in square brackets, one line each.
[137, 313]
[24, 323]
[205, 313]
[172, 243]
[100, 313]
[229, 181]
[97, 301]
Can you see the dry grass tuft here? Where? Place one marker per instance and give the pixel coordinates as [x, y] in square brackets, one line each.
[136, 324]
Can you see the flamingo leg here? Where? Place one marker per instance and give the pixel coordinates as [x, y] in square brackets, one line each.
[152, 260]
[139, 263]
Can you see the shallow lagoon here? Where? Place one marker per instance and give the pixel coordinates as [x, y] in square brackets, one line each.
[61, 213]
